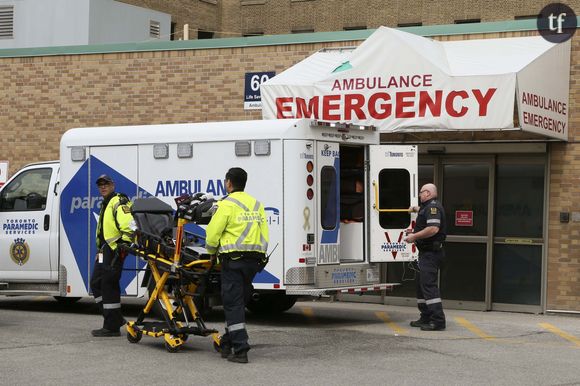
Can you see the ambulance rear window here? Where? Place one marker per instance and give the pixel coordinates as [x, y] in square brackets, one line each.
[394, 193]
[328, 197]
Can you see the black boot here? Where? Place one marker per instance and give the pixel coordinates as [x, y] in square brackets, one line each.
[241, 357]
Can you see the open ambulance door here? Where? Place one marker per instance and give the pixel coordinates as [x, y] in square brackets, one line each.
[328, 188]
[393, 189]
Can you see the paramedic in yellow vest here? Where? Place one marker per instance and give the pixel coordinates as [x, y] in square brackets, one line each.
[238, 233]
[113, 228]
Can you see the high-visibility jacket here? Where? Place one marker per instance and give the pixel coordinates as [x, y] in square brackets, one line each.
[115, 221]
[238, 225]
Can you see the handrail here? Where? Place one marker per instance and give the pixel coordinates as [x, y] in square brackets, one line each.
[376, 204]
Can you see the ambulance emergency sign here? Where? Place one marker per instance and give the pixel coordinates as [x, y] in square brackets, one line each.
[3, 172]
[252, 97]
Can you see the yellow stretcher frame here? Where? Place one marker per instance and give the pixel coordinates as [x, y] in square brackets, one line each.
[175, 334]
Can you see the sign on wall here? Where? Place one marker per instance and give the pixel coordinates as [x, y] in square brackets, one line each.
[463, 218]
[252, 97]
[3, 172]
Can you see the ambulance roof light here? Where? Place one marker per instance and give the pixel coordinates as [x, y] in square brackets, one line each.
[161, 151]
[77, 153]
[262, 147]
[185, 150]
[243, 148]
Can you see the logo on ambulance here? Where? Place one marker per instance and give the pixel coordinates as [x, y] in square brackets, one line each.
[19, 251]
[394, 246]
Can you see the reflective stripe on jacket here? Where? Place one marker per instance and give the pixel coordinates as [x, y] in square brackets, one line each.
[119, 228]
[238, 225]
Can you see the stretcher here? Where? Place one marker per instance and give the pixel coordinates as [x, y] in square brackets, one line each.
[178, 274]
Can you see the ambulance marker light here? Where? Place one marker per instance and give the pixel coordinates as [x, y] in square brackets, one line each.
[310, 194]
[310, 180]
[302, 260]
[277, 285]
[68, 289]
[309, 167]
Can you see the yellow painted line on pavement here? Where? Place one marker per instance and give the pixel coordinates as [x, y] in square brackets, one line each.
[307, 311]
[474, 329]
[560, 333]
[392, 325]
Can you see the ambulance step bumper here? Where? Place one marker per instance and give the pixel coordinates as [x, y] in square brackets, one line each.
[3, 286]
[305, 291]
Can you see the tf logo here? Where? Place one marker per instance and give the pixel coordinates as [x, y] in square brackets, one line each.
[19, 251]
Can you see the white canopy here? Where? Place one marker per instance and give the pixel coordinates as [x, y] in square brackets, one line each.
[402, 82]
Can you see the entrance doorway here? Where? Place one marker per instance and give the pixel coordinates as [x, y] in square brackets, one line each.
[495, 206]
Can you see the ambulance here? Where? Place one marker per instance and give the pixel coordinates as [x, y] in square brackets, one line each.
[335, 199]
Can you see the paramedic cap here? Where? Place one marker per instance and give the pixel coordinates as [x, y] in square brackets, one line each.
[104, 178]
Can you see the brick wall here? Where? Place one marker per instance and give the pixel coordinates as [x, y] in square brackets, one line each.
[236, 17]
[42, 97]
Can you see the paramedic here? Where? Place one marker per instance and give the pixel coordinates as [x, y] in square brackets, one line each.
[428, 235]
[113, 228]
[238, 232]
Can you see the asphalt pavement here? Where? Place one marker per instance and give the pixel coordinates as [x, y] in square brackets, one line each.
[315, 343]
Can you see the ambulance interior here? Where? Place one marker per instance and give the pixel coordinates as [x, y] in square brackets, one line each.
[352, 203]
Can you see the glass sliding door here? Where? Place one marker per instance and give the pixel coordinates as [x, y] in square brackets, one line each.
[518, 239]
[465, 193]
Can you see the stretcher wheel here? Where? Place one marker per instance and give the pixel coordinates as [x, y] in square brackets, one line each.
[171, 348]
[134, 339]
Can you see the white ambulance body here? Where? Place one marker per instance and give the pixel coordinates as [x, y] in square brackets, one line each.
[334, 201]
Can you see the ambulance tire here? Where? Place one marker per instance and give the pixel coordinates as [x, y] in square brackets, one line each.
[66, 299]
[271, 303]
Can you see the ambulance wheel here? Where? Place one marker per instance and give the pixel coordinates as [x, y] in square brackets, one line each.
[66, 299]
[134, 339]
[171, 348]
[271, 303]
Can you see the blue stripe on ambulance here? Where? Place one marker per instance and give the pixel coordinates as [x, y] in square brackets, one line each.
[81, 221]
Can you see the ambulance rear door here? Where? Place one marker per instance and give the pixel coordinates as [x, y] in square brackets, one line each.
[393, 189]
[328, 197]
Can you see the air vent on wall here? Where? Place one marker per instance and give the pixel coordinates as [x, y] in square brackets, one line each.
[7, 22]
[154, 29]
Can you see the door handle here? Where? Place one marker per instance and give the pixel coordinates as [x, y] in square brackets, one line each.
[46, 222]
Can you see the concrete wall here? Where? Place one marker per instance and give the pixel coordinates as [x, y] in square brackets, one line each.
[48, 23]
[114, 22]
[42, 23]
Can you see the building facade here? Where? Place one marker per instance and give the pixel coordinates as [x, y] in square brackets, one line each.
[521, 255]
[230, 18]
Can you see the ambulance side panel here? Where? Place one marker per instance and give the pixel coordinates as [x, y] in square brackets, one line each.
[205, 172]
[299, 212]
[75, 211]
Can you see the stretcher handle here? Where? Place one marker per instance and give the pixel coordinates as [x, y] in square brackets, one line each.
[376, 204]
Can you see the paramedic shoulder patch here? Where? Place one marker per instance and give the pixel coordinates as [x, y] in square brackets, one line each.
[433, 210]
[126, 209]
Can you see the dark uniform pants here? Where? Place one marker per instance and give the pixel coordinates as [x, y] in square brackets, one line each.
[428, 295]
[107, 290]
[237, 276]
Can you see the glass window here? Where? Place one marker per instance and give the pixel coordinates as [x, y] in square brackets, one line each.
[463, 271]
[465, 188]
[517, 274]
[394, 193]
[519, 200]
[328, 197]
[28, 191]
